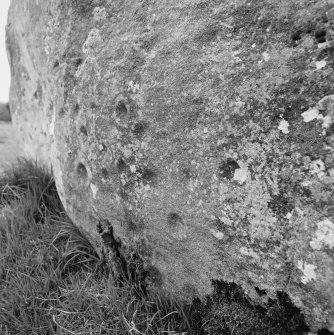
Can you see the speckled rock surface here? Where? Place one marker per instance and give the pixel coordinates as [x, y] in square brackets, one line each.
[199, 132]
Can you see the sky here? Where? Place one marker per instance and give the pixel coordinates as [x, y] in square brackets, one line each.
[4, 67]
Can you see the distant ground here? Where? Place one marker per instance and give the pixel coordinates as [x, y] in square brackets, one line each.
[9, 148]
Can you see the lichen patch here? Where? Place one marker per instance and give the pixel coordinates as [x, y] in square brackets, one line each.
[324, 236]
[288, 215]
[100, 14]
[317, 167]
[265, 56]
[284, 126]
[249, 252]
[308, 271]
[325, 104]
[311, 114]
[321, 64]
[217, 234]
[52, 124]
[94, 189]
[241, 174]
[93, 40]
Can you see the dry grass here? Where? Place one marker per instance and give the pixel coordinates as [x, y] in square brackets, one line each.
[51, 279]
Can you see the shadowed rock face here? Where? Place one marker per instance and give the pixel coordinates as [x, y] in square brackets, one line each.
[4, 112]
[200, 133]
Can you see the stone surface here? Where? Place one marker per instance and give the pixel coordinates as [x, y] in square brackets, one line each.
[4, 112]
[200, 133]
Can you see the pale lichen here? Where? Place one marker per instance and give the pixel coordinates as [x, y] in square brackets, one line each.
[217, 234]
[250, 252]
[266, 56]
[94, 189]
[313, 114]
[326, 104]
[52, 124]
[241, 174]
[92, 42]
[324, 236]
[284, 126]
[317, 167]
[308, 271]
[100, 14]
[320, 64]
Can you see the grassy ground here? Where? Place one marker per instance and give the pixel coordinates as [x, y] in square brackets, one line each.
[51, 279]
[53, 282]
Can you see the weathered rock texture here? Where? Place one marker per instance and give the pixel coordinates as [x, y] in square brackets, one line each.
[198, 132]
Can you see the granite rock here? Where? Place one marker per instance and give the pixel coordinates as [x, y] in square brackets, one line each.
[197, 133]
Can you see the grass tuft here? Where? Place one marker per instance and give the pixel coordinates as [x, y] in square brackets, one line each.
[51, 279]
[33, 186]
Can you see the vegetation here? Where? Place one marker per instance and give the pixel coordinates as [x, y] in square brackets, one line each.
[51, 279]
[53, 282]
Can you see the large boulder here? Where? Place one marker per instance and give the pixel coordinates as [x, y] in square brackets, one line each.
[197, 133]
